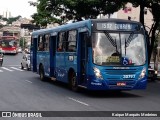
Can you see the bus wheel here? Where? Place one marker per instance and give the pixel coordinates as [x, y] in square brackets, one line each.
[41, 73]
[73, 82]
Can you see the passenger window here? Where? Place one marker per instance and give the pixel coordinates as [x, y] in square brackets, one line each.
[46, 43]
[40, 43]
[61, 42]
[72, 40]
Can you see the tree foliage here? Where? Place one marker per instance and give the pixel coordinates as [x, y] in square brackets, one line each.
[63, 10]
[10, 20]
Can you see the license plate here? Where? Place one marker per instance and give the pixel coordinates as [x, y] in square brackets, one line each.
[121, 84]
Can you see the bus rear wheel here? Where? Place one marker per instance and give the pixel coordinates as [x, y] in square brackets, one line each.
[73, 82]
[41, 73]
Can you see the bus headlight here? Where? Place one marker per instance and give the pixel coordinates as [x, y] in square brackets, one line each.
[97, 73]
[143, 73]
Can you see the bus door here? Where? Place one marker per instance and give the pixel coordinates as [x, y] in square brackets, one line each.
[52, 55]
[34, 54]
[83, 56]
[60, 57]
[46, 54]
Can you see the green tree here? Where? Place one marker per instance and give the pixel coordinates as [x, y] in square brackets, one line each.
[43, 16]
[63, 10]
[12, 19]
[78, 9]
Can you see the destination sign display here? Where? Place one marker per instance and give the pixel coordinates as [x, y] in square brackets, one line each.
[118, 26]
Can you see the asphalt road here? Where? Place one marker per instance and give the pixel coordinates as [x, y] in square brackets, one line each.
[21, 90]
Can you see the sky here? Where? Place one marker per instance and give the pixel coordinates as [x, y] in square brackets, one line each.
[17, 7]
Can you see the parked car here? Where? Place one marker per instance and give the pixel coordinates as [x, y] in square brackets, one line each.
[25, 63]
[152, 74]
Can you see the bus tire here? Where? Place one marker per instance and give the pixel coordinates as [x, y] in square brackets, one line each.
[73, 82]
[41, 73]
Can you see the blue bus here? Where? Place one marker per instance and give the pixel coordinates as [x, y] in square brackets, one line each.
[96, 54]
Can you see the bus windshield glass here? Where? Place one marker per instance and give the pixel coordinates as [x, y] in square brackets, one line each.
[120, 48]
[8, 43]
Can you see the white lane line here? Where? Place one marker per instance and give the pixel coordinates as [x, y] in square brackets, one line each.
[1, 71]
[6, 69]
[17, 69]
[78, 101]
[28, 81]
[13, 65]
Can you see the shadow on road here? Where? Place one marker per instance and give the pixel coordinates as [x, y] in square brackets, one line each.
[94, 94]
[111, 94]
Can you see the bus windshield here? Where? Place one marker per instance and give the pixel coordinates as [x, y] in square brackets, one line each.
[8, 43]
[118, 49]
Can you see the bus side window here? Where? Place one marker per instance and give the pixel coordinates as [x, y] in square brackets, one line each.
[46, 43]
[61, 39]
[72, 40]
[40, 44]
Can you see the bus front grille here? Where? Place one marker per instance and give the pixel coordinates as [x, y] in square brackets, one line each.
[120, 71]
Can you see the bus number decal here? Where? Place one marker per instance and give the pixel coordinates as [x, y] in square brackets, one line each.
[128, 76]
[71, 58]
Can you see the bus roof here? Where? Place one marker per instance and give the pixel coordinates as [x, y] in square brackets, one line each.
[79, 24]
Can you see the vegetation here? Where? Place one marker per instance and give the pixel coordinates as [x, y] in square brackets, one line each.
[10, 20]
[64, 10]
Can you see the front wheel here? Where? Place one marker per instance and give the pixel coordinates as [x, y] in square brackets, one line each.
[41, 73]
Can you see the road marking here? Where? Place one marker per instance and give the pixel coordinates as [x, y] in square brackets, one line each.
[78, 101]
[12, 65]
[28, 81]
[1, 71]
[17, 69]
[6, 69]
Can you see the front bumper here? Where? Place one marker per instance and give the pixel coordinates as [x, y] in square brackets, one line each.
[94, 84]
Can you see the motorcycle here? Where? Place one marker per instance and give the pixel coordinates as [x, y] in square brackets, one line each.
[1, 59]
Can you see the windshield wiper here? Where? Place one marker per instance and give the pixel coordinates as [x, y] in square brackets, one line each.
[130, 38]
[110, 39]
